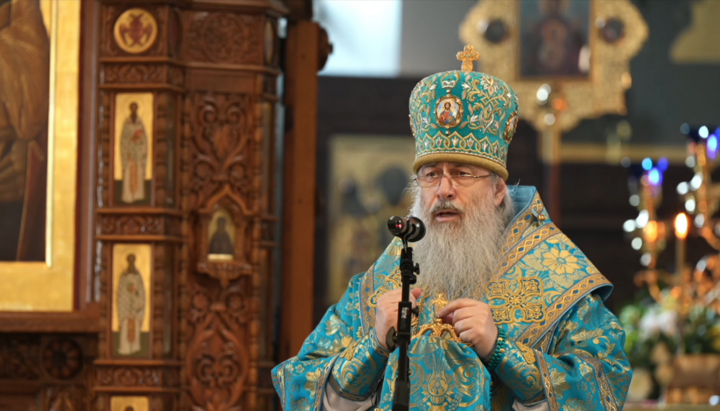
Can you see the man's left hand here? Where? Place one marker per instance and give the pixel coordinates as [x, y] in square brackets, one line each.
[473, 321]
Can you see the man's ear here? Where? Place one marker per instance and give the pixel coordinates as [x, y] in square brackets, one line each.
[500, 191]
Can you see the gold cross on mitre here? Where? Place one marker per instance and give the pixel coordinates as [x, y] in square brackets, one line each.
[467, 56]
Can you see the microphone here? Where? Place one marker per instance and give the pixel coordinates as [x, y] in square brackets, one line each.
[410, 229]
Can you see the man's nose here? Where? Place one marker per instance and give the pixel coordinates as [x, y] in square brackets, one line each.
[446, 189]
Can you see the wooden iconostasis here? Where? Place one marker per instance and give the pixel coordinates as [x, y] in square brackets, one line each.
[140, 171]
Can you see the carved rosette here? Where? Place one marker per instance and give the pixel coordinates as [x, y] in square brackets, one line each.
[62, 358]
[224, 38]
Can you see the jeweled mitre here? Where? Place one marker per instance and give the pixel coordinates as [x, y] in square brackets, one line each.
[463, 116]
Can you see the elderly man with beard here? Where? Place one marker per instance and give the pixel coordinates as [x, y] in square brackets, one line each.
[511, 312]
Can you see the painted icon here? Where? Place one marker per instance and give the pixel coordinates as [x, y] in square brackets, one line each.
[222, 237]
[24, 101]
[554, 38]
[448, 112]
[131, 278]
[129, 403]
[135, 30]
[133, 148]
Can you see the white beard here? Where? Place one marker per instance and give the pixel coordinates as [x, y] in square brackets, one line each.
[459, 258]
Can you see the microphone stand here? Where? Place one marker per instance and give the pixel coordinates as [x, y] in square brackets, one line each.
[401, 401]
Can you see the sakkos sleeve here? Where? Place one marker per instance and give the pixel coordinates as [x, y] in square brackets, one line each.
[338, 347]
[586, 368]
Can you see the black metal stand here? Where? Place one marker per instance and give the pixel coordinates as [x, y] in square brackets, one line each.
[408, 269]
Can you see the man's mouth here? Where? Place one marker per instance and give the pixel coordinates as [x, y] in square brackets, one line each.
[446, 215]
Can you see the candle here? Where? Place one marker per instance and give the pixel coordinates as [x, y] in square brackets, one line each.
[681, 231]
[651, 232]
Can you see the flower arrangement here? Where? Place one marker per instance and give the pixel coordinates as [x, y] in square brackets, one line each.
[656, 333]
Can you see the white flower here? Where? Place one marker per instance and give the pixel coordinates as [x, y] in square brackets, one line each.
[655, 321]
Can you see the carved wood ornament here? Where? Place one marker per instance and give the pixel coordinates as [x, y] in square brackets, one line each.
[208, 69]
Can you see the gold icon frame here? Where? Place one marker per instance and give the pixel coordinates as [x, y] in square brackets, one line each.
[603, 92]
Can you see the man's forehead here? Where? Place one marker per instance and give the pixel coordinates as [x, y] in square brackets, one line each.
[451, 165]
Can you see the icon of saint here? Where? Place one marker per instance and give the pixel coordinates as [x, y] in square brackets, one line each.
[552, 45]
[24, 102]
[221, 243]
[133, 153]
[131, 308]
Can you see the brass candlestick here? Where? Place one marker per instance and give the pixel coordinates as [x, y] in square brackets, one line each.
[648, 234]
[701, 197]
[700, 194]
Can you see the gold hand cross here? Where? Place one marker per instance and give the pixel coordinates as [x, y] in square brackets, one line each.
[467, 56]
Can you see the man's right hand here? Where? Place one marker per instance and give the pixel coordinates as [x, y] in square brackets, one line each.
[386, 312]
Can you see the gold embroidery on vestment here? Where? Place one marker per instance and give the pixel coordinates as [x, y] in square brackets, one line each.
[516, 306]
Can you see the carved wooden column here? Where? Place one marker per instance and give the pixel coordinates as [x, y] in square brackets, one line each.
[185, 205]
[230, 51]
[138, 216]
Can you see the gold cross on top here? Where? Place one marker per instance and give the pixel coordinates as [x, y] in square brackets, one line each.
[467, 56]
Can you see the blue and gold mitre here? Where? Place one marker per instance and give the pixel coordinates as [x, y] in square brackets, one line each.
[464, 117]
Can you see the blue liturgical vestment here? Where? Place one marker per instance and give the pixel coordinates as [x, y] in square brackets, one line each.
[564, 346]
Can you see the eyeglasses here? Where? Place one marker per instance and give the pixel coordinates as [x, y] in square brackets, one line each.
[458, 180]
